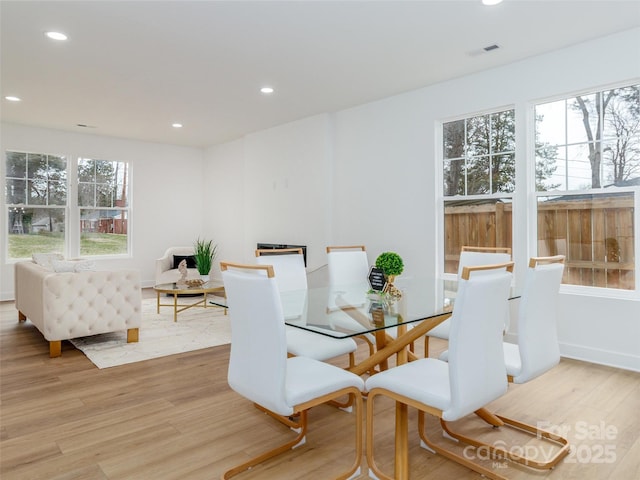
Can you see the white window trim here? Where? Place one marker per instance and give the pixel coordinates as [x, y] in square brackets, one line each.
[533, 194]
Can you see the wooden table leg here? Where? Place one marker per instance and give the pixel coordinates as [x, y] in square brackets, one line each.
[381, 342]
[158, 293]
[489, 417]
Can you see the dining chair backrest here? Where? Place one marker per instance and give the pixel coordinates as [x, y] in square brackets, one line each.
[472, 256]
[347, 265]
[257, 362]
[537, 317]
[476, 363]
[288, 265]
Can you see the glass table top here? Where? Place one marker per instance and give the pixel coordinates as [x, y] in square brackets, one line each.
[350, 310]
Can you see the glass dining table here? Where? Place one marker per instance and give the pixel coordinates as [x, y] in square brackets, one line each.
[394, 324]
[352, 311]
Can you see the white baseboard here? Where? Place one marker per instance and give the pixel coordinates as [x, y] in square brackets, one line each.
[593, 355]
[601, 357]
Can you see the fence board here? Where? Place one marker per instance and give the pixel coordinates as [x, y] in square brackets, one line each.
[596, 235]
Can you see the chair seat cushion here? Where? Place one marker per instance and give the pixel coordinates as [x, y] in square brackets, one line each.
[319, 347]
[432, 390]
[441, 331]
[512, 359]
[308, 379]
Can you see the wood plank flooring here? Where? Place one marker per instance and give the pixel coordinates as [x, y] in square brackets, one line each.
[176, 418]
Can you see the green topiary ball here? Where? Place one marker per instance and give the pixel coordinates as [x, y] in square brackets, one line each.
[390, 263]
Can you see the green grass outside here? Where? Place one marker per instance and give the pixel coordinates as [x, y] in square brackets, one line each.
[22, 246]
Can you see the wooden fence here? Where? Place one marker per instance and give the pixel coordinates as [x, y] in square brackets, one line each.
[595, 234]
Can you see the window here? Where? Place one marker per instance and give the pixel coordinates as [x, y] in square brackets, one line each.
[587, 174]
[103, 206]
[479, 178]
[42, 217]
[36, 199]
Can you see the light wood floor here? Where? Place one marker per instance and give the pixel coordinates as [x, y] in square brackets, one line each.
[176, 418]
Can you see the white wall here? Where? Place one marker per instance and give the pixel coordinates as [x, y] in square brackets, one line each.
[276, 189]
[167, 206]
[384, 181]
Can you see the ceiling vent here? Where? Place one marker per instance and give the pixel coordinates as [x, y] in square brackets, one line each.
[482, 51]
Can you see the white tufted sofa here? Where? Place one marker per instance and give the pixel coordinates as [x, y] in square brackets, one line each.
[70, 305]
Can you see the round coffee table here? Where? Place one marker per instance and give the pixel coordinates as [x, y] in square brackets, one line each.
[175, 290]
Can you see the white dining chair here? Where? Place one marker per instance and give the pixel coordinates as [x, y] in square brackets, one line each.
[260, 370]
[471, 257]
[536, 352]
[475, 374]
[348, 268]
[291, 278]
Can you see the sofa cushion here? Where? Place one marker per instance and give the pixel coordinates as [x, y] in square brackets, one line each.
[45, 259]
[61, 266]
[191, 260]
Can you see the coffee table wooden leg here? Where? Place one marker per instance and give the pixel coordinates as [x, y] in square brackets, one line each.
[175, 307]
[158, 293]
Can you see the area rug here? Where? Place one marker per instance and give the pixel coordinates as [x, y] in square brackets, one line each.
[195, 329]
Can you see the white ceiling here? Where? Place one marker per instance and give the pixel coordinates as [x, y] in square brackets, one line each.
[130, 69]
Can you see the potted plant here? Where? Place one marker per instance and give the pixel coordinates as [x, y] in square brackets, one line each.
[204, 252]
[391, 264]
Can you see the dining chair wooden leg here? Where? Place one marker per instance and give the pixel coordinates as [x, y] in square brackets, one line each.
[271, 453]
[562, 442]
[292, 421]
[454, 456]
[301, 428]
[374, 471]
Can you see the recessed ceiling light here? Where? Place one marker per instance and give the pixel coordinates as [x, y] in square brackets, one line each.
[266, 90]
[176, 125]
[56, 35]
[491, 2]
[11, 98]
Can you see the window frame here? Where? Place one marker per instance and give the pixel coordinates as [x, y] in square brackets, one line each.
[72, 228]
[448, 277]
[79, 209]
[533, 194]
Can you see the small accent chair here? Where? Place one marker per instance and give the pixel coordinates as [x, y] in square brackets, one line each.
[260, 371]
[291, 277]
[535, 353]
[475, 374]
[470, 257]
[165, 271]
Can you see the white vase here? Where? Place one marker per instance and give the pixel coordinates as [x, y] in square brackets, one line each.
[205, 278]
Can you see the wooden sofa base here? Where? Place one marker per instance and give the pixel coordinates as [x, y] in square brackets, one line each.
[55, 346]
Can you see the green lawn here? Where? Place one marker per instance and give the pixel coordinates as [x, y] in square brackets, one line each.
[22, 246]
